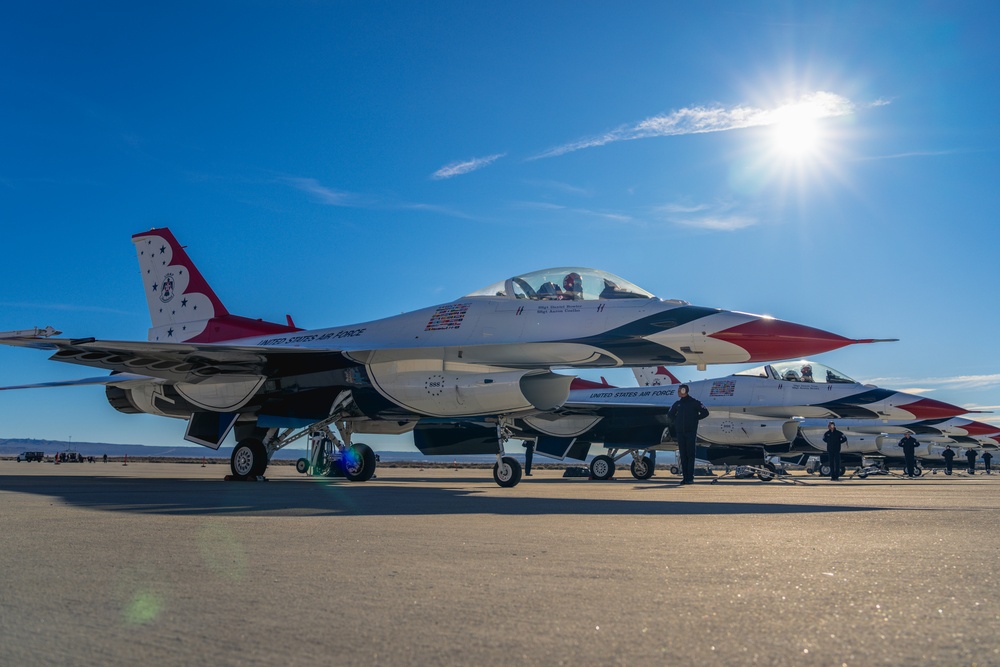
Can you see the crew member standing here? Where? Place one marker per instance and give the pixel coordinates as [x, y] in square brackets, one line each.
[948, 455]
[987, 458]
[970, 456]
[834, 439]
[529, 453]
[685, 414]
[909, 445]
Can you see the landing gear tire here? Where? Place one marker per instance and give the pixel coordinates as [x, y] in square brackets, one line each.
[810, 471]
[507, 472]
[359, 463]
[249, 459]
[642, 468]
[825, 470]
[602, 467]
[301, 466]
[769, 474]
[674, 470]
[917, 472]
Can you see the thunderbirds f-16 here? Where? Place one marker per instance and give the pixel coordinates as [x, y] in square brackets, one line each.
[488, 355]
[775, 409]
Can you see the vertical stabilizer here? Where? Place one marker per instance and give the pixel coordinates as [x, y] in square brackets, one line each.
[182, 306]
[654, 376]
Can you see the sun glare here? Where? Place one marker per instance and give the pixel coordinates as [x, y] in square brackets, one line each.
[801, 145]
[797, 136]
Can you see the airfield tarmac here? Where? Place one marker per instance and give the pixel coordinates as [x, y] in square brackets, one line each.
[166, 564]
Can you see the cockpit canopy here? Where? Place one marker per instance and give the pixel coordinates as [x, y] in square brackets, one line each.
[798, 371]
[565, 284]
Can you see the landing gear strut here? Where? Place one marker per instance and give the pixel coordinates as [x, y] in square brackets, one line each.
[507, 469]
[329, 455]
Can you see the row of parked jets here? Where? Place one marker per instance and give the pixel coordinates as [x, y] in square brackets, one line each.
[468, 376]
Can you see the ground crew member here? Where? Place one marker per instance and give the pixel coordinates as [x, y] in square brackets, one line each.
[987, 457]
[834, 439]
[970, 455]
[948, 455]
[529, 453]
[909, 445]
[685, 414]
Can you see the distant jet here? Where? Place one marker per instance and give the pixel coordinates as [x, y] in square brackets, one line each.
[488, 355]
[753, 414]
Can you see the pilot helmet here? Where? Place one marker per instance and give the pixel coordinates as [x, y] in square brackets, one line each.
[807, 370]
[571, 283]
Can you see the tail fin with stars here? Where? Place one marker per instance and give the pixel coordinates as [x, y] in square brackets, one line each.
[182, 306]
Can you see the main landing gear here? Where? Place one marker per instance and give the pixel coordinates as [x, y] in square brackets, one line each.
[329, 455]
[603, 466]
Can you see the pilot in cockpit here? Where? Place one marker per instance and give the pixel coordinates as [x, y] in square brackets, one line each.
[572, 286]
[807, 373]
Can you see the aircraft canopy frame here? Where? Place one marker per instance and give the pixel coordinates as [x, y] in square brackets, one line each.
[565, 284]
[802, 370]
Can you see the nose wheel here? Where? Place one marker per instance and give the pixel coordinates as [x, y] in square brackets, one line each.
[507, 472]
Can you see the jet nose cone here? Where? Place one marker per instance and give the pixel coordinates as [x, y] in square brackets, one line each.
[928, 408]
[771, 340]
[980, 428]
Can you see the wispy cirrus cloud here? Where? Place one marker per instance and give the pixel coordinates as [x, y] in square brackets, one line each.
[605, 215]
[320, 192]
[897, 156]
[434, 208]
[72, 307]
[333, 197]
[954, 382]
[701, 119]
[715, 217]
[464, 167]
[719, 223]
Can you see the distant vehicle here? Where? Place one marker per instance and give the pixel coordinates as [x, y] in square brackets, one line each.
[31, 456]
[70, 457]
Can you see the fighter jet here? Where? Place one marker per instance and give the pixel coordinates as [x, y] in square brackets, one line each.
[489, 354]
[778, 408]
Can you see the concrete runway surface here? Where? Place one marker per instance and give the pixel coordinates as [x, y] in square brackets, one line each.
[166, 564]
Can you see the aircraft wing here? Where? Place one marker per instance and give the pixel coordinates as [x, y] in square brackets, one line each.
[184, 362]
[117, 380]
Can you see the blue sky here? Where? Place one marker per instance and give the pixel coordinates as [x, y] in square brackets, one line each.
[834, 164]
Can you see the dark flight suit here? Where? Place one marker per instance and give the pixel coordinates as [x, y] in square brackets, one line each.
[686, 413]
[987, 458]
[834, 439]
[948, 455]
[529, 453]
[970, 455]
[909, 444]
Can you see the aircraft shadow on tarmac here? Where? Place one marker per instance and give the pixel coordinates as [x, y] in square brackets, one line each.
[186, 497]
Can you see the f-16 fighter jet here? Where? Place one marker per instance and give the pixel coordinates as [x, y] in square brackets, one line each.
[752, 414]
[487, 355]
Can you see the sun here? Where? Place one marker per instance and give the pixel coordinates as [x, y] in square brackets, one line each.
[797, 135]
[800, 144]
